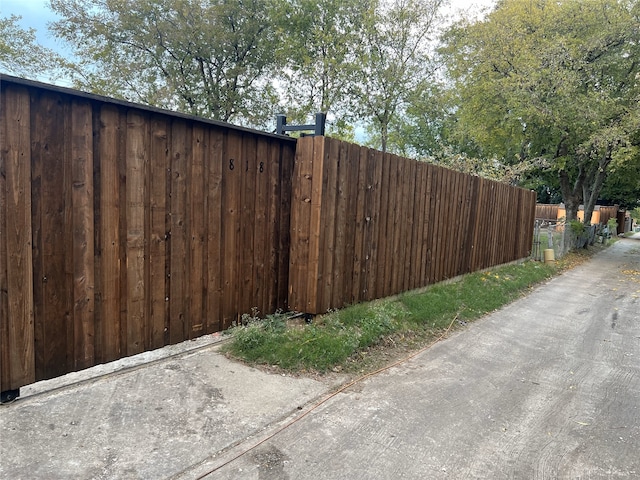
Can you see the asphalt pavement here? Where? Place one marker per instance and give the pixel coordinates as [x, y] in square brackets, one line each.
[546, 388]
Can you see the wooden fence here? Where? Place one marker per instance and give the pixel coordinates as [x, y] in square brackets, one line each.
[547, 212]
[367, 225]
[124, 229]
[554, 212]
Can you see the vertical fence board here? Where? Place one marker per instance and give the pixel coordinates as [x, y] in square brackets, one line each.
[376, 225]
[436, 196]
[261, 273]
[157, 289]
[136, 154]
[38, 132]
[83, 233]
[110, 272]
[367, 263]
[454, 228]
[177, 274]
[449, 216]
[286, 155]
[300, 218]
[409, 203]
[483, 229]
[391, 268]
[48, 207]
[369, 239]
[231, 193]
[358, 253]
[382, 227]
[385, 219]
[315, 232]
[17, 217]
[416, 239]
[342, 192]
[5, 348]
[352, 171]
[246, 253]
[425, 220]
[215, 165]
[441, 195]
[528, 222]
[468, 226]
[329, 212]
[328, 219]
[274, 172]
[196, 238]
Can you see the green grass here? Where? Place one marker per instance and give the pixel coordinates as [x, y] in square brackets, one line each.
[338, 339]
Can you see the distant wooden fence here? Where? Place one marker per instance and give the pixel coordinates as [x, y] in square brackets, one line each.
[124, 228]
[554, 212]
[547, 212]
[367, 225]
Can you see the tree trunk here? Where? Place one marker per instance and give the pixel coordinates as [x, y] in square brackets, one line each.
[593, 185]
[572, 196]
[384, 135]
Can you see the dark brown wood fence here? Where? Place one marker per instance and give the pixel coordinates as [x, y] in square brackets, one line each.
[547, 212]
[124, 229]
[367, 225]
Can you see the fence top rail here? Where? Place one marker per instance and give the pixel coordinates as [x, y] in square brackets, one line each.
[4, 78]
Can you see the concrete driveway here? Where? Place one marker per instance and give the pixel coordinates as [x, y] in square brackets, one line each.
[548, 387]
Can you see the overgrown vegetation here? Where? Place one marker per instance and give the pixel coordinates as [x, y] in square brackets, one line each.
[359, 337]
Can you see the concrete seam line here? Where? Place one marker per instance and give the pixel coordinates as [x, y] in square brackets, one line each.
[326, 399]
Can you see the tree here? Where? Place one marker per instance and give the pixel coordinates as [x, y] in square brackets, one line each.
[394, 60]
[551, 80]
[622, 185]
[321, 39]
[20, 53]
[208, 58]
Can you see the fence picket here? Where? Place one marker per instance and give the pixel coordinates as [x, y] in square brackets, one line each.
[19, 315]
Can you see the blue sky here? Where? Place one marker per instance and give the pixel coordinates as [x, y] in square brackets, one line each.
[36, 14]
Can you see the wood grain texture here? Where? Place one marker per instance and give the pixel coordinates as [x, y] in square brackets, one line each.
[20, 331]
[214, 168]
[5, 348]
[379, 225]
[159, 226]
[83, 233]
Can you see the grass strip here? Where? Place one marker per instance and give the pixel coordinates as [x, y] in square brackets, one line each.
[344, 339]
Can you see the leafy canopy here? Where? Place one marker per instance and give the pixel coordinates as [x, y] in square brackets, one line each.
[552, 80]
[207, 58]
[20, 53]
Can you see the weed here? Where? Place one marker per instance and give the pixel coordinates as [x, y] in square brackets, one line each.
[344, 338]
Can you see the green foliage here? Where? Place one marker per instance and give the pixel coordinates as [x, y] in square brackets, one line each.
[21, 55]
[206, 58]
[577, 227]
[340, 335]
[622, 185]
[550, 80]
[318, 346]
[321, 38]
[635, 214]
[474, 295]
[393, 61]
